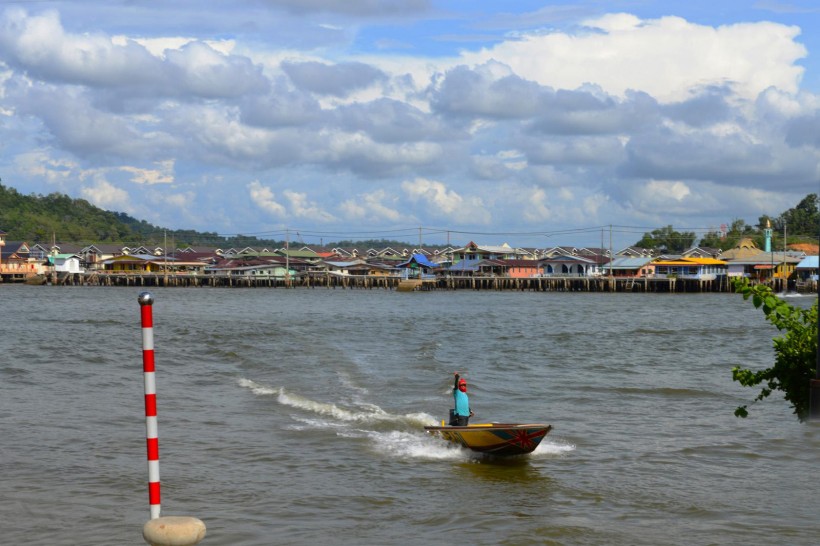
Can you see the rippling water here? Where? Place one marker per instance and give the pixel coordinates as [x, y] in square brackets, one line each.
[295, 417]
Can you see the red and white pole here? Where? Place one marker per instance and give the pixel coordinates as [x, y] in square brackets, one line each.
[146, 301]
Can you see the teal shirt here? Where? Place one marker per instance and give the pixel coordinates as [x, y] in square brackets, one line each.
[462, 403]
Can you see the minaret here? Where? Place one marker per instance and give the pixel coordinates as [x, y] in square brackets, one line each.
[767, 233]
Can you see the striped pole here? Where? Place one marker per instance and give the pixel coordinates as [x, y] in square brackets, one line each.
[146, 301]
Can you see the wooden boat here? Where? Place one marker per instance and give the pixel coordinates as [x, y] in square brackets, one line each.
[502, 439]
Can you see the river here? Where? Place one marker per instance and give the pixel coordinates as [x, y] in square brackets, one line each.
[295, 417]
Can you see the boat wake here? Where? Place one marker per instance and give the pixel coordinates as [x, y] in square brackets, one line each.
[388, 434]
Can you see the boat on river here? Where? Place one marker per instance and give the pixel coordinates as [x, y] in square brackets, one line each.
[501, 439]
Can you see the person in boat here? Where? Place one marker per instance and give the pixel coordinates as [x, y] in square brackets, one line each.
[461, 412]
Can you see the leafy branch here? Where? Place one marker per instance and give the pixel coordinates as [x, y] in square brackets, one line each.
[795, 350]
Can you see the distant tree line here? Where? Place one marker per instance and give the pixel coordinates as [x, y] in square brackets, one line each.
[43, 218]
[801, 223]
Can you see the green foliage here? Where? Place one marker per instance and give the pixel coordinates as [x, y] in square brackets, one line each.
[804, 219]
[795, 351]
[38, 219]
[667, 240]
[802, 225]
[738, 230]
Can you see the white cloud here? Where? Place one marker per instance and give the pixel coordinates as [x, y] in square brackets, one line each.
[666, 190]
[41, 164]
[370, 206]
[163, 175]
[536, 207]
[302, 207]
[264, 198]
[447, 203]
[667, 57]
[105, 195]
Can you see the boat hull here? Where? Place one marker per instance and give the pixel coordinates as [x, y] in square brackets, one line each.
[495, 438]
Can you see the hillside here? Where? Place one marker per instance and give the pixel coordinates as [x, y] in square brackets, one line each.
[39, 218]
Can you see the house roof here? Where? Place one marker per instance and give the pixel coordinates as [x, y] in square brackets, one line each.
[691, 261]
[767, 258]
[809, 262]
[562, 258]
[629, 263]
[420, 259]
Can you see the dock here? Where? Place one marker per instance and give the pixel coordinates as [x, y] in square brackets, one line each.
[369, 282]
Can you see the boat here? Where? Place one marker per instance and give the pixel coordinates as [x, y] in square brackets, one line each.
[501, 439]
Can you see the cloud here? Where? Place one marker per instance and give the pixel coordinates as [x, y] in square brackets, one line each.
[338, 80]
[105, 195]
[163, 175]
[41, 164]
[446, 203]
[665, 57]
[302, 207]
[265, 199]
[548, 128]
[39, 46]
[370, 207]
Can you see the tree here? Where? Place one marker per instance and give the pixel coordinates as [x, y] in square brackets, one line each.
[804, 219]
[795, 351]
[735, 233]
[667, 240]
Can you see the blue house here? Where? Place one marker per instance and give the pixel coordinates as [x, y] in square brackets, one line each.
[418, 267]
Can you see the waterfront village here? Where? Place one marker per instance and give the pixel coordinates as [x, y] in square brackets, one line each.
[408, 268]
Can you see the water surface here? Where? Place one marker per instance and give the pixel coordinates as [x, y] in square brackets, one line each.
[295, 417]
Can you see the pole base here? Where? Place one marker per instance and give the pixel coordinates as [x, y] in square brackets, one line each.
[173, 531]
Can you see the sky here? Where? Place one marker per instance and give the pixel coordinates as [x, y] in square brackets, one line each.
[535, 123]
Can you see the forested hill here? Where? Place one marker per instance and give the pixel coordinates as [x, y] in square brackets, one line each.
[39, 219]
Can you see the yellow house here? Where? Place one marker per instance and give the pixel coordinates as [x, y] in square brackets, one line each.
[132, 263]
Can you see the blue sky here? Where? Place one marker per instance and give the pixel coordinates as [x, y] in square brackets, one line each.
[533, 123]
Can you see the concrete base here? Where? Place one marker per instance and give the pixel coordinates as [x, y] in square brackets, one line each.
[173, 531]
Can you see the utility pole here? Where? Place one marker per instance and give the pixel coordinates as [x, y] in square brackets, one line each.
[814, 384]
[287, 258]
[611, 285]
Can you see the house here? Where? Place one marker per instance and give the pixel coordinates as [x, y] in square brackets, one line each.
[92, 256]
[305, 255]
[127, 263]
[570, 266]
[148, 263]
[254, 268]
[418, 267]
[492, 268]
[745, 248]
[807, 269]
[474, 252]
[65, 263]
[345, 268]
[702, 252]
[765, 265]
[629, 267]
[701, 269]
[522, 269]
[15, 258]
[636, 252]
